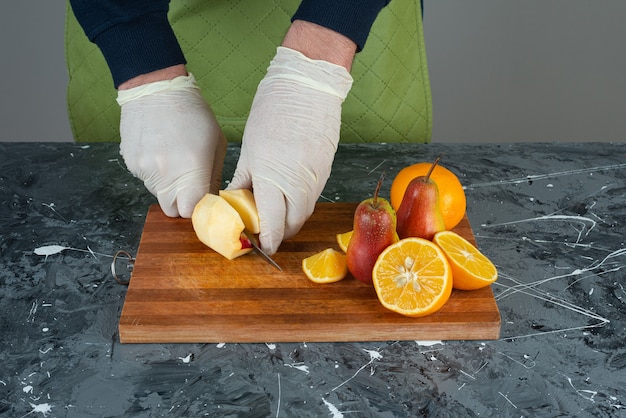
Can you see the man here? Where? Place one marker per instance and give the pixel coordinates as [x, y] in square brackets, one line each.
[170, 138]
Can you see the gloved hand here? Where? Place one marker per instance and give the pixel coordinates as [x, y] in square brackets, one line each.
[290, 140]
[171, 140]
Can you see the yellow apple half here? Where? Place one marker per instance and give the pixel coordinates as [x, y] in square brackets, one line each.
[219, 226]
[243, 202]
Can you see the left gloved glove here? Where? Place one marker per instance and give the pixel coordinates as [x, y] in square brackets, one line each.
[171, 140]
[290, 140]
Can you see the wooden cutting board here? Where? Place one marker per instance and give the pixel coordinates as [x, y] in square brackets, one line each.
[182, 291]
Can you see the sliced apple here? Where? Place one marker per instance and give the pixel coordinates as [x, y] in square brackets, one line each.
[243, 202]
[219, 226]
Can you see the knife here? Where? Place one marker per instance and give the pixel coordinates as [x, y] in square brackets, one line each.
[257, 248]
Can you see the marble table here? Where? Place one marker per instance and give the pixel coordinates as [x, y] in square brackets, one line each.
[552, 217]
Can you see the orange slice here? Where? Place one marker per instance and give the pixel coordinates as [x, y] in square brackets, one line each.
[412, 277]
[327, 266]
[343, 240]
[471, 269]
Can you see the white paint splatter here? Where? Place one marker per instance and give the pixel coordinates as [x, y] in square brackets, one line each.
[91, 252]
[429, 343]
[374, 355]
[43, 409]
[474, 373]
[32, 312]
[528, 364]
[53, 249]
[333, 409]
[186, 359]
[280, 395]
[271, 346]
[50, 250]
[376, 168]
[46, 351]
[507, 399]
[221, 345]
[467, 374]
[27, 389]
[597, 268]
[584, 393]
[546, 176]
[298, 366]
[575, 218]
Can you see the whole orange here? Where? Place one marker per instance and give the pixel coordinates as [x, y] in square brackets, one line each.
[452, 199]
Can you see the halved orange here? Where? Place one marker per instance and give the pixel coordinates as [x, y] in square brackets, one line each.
[327, 266]
[412, 277]
[471, 269]
[343, 240]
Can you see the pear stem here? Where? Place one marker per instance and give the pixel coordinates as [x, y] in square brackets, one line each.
[432, 167]
[378, 186]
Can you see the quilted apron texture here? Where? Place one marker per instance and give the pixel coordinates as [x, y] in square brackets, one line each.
[228, 46]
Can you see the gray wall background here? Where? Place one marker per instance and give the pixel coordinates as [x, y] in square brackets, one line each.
[501, 70]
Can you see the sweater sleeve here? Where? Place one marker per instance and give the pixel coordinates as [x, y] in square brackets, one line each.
[135, 37]
[351, 18]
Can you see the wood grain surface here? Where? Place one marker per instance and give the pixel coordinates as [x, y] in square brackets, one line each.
[182, 291]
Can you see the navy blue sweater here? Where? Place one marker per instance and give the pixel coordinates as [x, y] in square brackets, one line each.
[135, 37]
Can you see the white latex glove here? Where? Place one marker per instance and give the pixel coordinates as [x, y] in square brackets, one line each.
[290, 140]
[171, 141]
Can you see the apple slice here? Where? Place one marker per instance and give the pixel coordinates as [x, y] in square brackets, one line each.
[243, 202]
[219, 226]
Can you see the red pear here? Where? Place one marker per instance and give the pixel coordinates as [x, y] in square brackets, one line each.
[374, 229]
[419, 214]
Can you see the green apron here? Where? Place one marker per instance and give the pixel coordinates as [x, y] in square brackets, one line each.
[228, 48]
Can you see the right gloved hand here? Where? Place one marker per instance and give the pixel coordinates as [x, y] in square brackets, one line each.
[171, 141]
[290, 141]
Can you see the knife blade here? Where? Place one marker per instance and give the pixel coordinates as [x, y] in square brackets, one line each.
[257, 248]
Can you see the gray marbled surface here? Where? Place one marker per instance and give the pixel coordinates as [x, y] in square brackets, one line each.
[552, 217]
